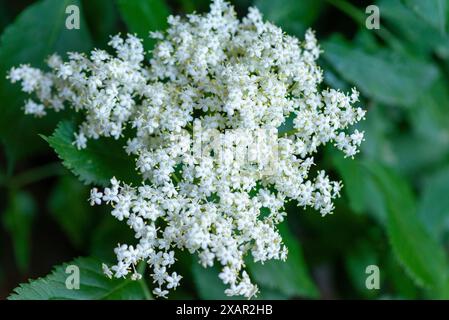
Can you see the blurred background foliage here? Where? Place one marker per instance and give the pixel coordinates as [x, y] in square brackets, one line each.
[394, 210]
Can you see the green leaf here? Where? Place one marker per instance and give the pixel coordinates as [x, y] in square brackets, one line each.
[290, 277]
[287, 126]
[367, 40]
[421, 256]
[358, 258]
[433, 12]
[98, 163]
[361, 191]
[426, 153]
[387, 77]
[18, 220]
[210, 287]
[433, 208]
[143, 16]
[292, 15]
[107, 234]
[93, 285]
[400, 281]
[208, 284]
[428, 115]
[354, 180]
[270, 294]
[69, 206]
[37, 32]
[378, 127]
[425, 35]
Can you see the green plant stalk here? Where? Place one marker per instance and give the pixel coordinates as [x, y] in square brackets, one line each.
[146, 291]
[34, 175]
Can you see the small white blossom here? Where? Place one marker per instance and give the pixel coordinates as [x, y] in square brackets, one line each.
[136, 276]
[107, 271]
[160, 293]
[95, 197]
[173, 280]
[37, 109]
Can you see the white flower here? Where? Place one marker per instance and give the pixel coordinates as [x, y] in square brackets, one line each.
[173, 280]
[95, 197]
[168, 258]
[107, 271]
[160, 275]
[211, 78]
[160, 293]
[136, 276]
[80, 140]
[37, 109]
[120, 269]
[227, 275]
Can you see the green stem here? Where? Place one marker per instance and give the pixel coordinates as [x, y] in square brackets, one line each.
[34, 175]
[287, 133]
[176, 177]
[349, 9]
[146, 291]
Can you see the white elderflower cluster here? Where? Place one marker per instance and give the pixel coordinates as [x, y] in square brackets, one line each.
[220, 74]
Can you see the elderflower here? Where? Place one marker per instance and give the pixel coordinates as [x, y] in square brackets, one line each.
[229, 77]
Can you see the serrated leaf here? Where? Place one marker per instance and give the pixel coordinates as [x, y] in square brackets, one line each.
[403, 285]
[387, 77]
[143, 16]
[18, 219]
[98, 163]
[93, 285]
[290, 277]
[36, 33]
[421, 256]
